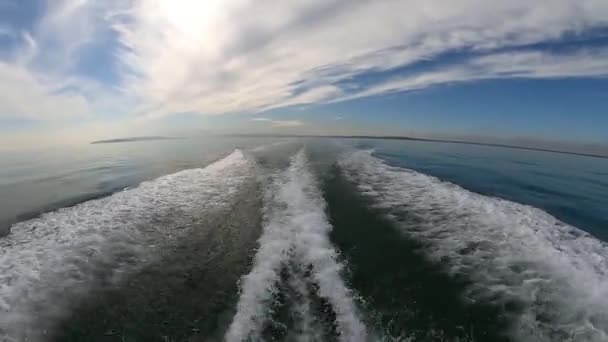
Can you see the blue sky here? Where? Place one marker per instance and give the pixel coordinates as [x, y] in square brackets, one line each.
[77, 70]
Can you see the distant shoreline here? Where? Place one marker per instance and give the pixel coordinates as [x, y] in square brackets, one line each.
[393, 137]
[132, 139]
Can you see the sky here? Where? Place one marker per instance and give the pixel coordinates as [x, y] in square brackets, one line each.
[533, 72]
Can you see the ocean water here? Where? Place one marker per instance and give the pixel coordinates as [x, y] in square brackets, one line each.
[37, 181]
[251, 239]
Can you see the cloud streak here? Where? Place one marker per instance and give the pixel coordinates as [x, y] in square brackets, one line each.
[234, 56]
[523, 64]
[280, 123]
[38, 80]
[26, 96]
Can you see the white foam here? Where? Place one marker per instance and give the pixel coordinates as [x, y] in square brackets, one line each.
[306, 325]
[46, 263]
[296, 230]
[512, 252]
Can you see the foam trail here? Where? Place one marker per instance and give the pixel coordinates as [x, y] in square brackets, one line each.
[46, 263]
[296, 230]
[553, 276]
[306, 329]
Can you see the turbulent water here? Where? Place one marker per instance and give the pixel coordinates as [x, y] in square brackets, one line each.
[295, 249]
[551, 277]
[302, 241]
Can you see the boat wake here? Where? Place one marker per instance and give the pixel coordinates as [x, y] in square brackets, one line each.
[48, 263]
[549, 278]
[295, 269]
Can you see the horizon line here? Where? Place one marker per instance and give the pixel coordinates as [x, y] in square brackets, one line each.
[399, 137]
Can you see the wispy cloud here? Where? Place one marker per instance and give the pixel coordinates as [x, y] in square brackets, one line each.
[280, 123]
[26, 96]
[219, 56]
[230, 56]
[37, 77]
[522, 64]
[287, 123]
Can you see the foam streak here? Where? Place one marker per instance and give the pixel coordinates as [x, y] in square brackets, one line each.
[515, 254]
[296, 231]
[46, 263]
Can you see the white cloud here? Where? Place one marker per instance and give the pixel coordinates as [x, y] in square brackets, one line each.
[523, 64]
[218, 56]
[239, 55]
[280, 123]
[534, 64]
[36, 78]
[68, 29]
[24, 95]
